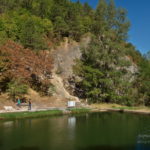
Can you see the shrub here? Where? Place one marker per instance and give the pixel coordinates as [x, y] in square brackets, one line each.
[16, 88]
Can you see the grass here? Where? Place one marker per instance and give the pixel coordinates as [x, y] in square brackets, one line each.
[20, 115]
[36, 114]
[126, 108]
[79, 110]
[120, 107]
[105, 105]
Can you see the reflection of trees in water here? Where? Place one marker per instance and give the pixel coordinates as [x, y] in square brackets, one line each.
[8, 124]
[21, 124]
[143, 139]
[106, 147]
[27, 148]
[71, 122]
[1, 143]
[71, 127]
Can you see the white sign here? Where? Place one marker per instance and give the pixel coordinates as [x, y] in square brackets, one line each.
[71, 103]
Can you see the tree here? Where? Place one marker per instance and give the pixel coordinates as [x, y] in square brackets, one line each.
[27, 4]
[42, 8]
[16, 88]
[100, 24]
[111, 16]
[25, 28]
[30, 36]
[87, 9]
[147, 55]
[60, 27]
[103, 74]
[4, 67]
[144, 82]
[34, 69]
[122, 24]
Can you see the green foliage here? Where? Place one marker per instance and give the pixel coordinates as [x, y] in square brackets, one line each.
[32, 114]
[60, 26]
[30, 35]
[91, 78]
[16, 88]
[69, 19]
[147, 55]
[100, 17]
[144, 82]
[103, 68]
[111, 10]
[79, 110]
[112, 58]
[25, 28]
[103, 75]
[122, 24]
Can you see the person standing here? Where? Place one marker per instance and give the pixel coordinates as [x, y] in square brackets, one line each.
[30, 105]
[18, 102]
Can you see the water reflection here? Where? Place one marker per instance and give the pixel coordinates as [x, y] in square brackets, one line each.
[93, 131]
[106, 147]
[8, 124]
[1, 143]
[143, 140]
[30, 123]
[71, 127]
[71, 122]
[26, 148]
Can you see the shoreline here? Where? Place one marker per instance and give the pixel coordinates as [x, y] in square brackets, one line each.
[41, 113]
[122, 111]
[52, 111]
[105, 107]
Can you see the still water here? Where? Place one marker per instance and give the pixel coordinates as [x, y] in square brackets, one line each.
[91, 131]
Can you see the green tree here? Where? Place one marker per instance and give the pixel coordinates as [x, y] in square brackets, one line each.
[122, 24]
[144, 82]
[27, 4]
[23, 27]
[30, 36]
[42, 8]
[60, 27]
[100, 24]
[87, 10]
[102, 73]
[147, 55]
[16, 88]
[111, 16]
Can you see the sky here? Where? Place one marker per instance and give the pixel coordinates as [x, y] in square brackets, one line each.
[139, 16]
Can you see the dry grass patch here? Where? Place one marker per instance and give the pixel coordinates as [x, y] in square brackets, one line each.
[104, 106]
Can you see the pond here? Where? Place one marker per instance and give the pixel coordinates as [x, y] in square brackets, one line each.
[90, 131]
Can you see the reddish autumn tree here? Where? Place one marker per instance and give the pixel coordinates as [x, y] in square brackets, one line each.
[33, 68]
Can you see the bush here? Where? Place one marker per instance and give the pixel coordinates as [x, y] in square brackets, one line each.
[16, 88]
[51, 90]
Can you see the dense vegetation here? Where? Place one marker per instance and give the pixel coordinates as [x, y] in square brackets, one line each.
[110, 69]
[20, 68]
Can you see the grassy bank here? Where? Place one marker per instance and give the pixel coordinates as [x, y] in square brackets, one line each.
[93, 108]
[30, 114]
[19, 115]
[79, 110]
[104, 106]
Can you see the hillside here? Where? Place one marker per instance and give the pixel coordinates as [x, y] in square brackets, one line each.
[53, 51]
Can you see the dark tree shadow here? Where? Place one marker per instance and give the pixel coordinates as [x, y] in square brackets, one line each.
[27, 148]
[1, 143]
[99, 147]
